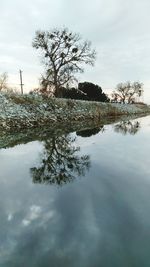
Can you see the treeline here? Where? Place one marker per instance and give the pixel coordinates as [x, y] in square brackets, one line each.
[85, 91]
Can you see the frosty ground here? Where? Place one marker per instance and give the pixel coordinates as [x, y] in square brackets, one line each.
[32, 111]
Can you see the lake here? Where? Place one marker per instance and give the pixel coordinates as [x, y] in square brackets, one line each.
[79, 199]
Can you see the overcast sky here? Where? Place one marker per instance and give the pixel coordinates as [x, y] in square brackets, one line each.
[118, 30]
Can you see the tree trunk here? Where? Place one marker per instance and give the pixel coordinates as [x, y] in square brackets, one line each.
[58, 90]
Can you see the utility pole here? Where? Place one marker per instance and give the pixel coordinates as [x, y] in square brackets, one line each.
[21, 84]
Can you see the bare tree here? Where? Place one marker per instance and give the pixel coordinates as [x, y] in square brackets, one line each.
[63, 55]
[3, 81]
[126, 92]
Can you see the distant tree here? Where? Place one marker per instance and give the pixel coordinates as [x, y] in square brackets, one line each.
[63, 55]
[3, 81]
[85, 91]
[73, 93]
[126, 92]
[92, 92]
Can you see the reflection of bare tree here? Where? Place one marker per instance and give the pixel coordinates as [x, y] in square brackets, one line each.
[92, 131]
[124, 127]
[60, 162]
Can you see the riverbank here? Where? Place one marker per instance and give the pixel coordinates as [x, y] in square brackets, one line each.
[11, 139]
[19, 112]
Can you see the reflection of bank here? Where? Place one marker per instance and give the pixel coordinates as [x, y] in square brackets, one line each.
[125, 127]
[61, 162]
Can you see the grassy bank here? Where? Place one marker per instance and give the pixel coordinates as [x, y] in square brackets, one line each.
[19, 112]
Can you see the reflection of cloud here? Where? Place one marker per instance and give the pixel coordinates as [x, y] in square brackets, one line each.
[26, 222]
[47, 217]
[34, 213]
[10, 217]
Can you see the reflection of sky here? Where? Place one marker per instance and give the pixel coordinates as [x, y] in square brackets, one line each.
[99, 220]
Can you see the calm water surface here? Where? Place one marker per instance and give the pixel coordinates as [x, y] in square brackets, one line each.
[81, 199]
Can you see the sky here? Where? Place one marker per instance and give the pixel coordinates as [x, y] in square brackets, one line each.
[118, 30]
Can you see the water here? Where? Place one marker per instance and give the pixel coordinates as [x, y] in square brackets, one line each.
[81, 199]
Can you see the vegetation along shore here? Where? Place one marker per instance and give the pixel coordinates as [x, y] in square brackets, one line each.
[34, 111]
